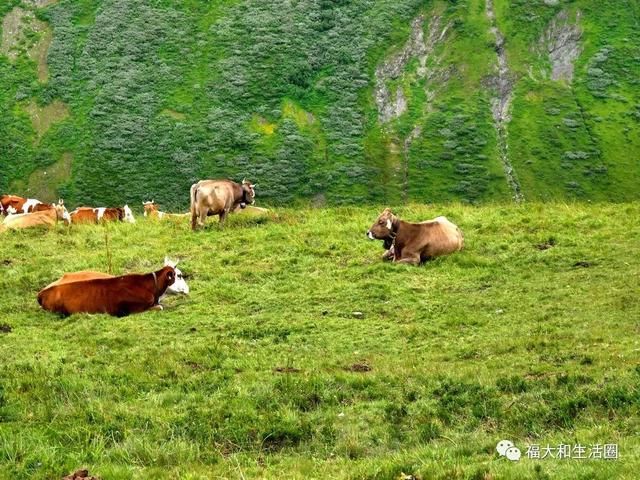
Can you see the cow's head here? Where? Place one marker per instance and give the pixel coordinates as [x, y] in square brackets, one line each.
[384, 227]
[179, 285]
[62, 213]
[165, 277]
[248, 193]
[128, 215]
[150, 208]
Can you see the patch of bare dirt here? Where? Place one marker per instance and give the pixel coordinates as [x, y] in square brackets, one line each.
[5, 328]
[23, 33]
[40, 3]
[42, 118]
[546, 245]
[582, 264]
[360, 367]
[38, 53]
[44, 182]
[80, 474]
[173, 114]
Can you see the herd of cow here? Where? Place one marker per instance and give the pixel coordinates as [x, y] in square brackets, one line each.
[96, 292]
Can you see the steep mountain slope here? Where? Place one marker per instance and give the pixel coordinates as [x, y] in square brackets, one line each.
[329, 100]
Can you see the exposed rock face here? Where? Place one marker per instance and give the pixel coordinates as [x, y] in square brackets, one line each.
[501, 104]
[561, 41]
[388, 106]
[391, 106]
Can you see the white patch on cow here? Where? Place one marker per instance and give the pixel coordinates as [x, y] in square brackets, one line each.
[11, 210]
[99, 212]
[65, 216]
[160, 214]
[30, 203]
[389, 224]
[370, 235]
[128, 215]
[179, 285]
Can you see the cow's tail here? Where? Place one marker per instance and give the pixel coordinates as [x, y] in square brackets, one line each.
[194, 210]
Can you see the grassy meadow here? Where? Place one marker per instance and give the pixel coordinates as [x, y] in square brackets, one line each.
[266, 371]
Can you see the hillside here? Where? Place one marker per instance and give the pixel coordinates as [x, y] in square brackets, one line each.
[326, 100]
[265, 371]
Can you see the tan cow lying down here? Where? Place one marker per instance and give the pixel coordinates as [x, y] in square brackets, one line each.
[117, 296]
[47, 218]
[415, 243]
[151, 210]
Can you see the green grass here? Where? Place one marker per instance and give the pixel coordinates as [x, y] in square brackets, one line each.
[250, 376]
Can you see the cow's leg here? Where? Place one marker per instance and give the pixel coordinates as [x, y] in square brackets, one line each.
[223, 217]
[157, 307]
[203, 216]
[412, 259]
[194, 219]
[388, 255]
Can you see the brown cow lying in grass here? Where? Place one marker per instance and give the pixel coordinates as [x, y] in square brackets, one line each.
[117, 296]
[102, 214]
[415, 243]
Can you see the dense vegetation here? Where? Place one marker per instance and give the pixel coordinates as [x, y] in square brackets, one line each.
[139, 99]
[265, 371]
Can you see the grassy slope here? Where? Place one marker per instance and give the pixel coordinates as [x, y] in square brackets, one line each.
[502, 340]
[282, 92]
[590, 117]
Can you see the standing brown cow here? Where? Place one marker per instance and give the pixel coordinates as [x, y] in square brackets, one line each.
[415, 243]
[219, 197]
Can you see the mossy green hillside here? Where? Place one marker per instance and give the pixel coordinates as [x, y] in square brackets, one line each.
[161, 94]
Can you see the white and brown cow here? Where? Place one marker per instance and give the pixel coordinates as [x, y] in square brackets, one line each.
[102, 214]
[219, 197]
[45, 215]
[12, 204]
[118, 296]
[178, 287]
[415, 243]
